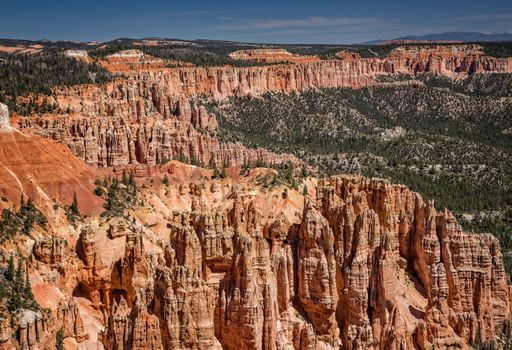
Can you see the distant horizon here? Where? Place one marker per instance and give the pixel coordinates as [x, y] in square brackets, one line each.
[272, 22]
[405, 37]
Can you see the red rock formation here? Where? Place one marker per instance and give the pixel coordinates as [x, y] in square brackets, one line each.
[72, 323]
[364, 265]
[117, 141]
[449, 60]
[129, 60]
[5, 334]
[346, 55]
[43, 169]
[440, 254]
[368, 265]
[272, 56]
[166, 85]
[316, 272]
[146, 117]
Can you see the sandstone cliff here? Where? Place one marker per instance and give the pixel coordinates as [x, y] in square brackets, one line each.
[272, 56]
[349, 71]
[118, 141]
[232, 263]
[201, 264]
[146, 115]
[44, 170]
[131, 60]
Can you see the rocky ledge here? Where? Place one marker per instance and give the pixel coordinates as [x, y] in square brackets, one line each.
[359, 264]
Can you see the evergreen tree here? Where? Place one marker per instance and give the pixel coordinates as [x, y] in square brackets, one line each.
[304, 172]
[59, 340]
[10, 274]
[19, 280]
[216, 173]
[289, 173]
[98, 191]
[124, 179]
[305, 190]
[29, 295]
[131, 179]
[27, 214]
[133, 186]
[74, 206]
[14, 302]
[165, 180]
[3, 291]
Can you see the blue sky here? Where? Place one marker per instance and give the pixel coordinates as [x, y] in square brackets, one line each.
[299, 21]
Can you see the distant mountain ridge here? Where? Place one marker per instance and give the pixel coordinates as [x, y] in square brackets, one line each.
[27, 46]
[446, 37]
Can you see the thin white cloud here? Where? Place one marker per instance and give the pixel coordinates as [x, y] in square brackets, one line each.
[487, 17]
[310, 22]
[149, 19]
[214, 12]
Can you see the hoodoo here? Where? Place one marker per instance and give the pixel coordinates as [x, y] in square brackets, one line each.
[4, 118]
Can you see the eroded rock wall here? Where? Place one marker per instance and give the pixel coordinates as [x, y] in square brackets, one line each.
[117, 141]
[365, 265]
[145, 116]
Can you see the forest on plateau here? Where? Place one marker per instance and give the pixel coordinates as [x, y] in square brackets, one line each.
[448, 140]
[27, 80]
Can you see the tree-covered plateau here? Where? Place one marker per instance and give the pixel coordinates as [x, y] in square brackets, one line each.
[450, 141]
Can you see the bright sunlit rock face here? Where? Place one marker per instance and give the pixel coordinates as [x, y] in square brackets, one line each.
[4, 117]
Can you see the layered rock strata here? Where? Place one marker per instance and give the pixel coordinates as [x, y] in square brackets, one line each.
[146, 116]
[365, 265]
[117, 141]
[349, 71]
[271, 56]
[128, 60]
[361, 264]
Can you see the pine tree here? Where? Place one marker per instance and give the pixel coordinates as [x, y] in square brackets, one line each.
[3, 291]
[19, 280]
[133, 185]
[27, 213]
[115, 184]
[98, 191]
[304, 172]
[29, 295]
[289, 173]
[14, 302]
[74, 206]
[131, 179]
[305, 190]
[10, 270]
[216, 173]
[223, 173]
[59, 340]
[165, 180]
[124, 179]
